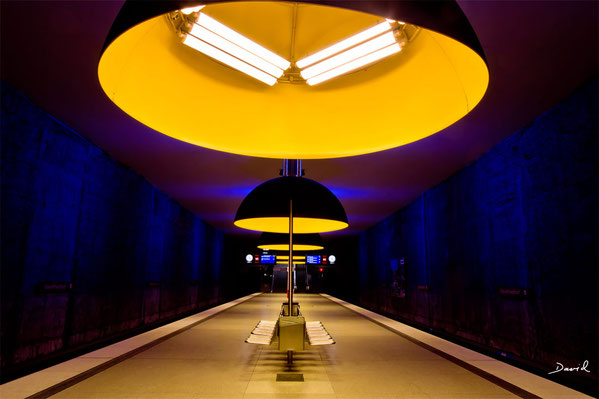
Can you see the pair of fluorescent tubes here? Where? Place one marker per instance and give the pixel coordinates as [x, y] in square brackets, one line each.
[218, 41]
[350, 54]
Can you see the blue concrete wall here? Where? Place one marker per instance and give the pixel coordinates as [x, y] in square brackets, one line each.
[132, 256]
[524, 215]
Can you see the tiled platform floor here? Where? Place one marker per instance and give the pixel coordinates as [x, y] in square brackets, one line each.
[211, 360]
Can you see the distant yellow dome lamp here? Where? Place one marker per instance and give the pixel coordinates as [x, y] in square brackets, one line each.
[267, 208]
[351, 79]
[280, 242]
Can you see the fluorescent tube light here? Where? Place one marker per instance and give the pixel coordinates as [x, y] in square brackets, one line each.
[191, 10]
[360, 62]
[344, 44]
[349, 55]
[241, 41]
[225, 58]
[233, 49]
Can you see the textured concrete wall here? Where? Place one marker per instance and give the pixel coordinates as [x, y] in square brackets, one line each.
[128, 255]
[524, 215]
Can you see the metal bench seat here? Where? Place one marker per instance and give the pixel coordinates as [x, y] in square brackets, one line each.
[317, 334]
[263, 333]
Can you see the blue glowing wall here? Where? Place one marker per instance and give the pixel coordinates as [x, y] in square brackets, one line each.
[90, 250]
[523, 216]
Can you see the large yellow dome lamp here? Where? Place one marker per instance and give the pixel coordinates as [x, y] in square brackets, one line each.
[296, 80]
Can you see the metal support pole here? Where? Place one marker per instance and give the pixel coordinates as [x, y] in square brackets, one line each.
[291, 168]
[290, 265]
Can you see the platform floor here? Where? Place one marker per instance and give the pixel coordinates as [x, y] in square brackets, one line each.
[211, 360]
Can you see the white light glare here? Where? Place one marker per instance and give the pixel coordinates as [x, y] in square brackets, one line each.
[349, 55]
[344, 44]
[368, 59]
[225, 58]
[244, 55]
[241, 41]
[191, 10]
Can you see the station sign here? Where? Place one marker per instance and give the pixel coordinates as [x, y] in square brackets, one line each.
[268, 259]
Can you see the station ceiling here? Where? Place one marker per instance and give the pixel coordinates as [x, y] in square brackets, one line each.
[538, 52]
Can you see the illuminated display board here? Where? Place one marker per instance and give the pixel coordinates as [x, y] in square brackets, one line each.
[313, 259]
[297, 259]
[268, 259]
